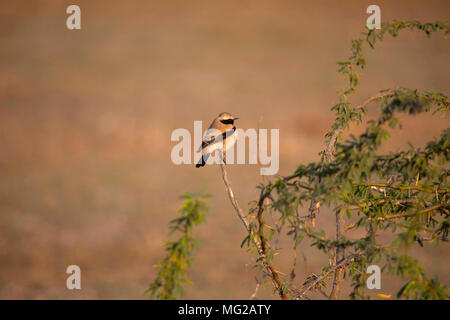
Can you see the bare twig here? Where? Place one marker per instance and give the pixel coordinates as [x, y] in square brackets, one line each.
[258, 285]
[381, 187]
[331, 146]
[405, 214]
[233, 199]
[305, 263]
[402, 202]
[262, 244]
[339, 256]
[294, 264]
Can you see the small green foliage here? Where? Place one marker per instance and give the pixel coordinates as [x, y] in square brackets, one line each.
[349, 68]
[172, 269]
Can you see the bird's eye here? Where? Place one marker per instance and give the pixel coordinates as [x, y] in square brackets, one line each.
[227, 121]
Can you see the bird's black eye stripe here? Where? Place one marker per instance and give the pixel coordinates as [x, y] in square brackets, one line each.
[227, 121]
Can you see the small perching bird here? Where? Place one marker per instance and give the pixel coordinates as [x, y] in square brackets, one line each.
[221, 135]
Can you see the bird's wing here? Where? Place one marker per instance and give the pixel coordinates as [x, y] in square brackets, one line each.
[210, 138]
[207, 141]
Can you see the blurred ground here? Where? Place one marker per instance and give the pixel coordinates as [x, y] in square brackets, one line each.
[86, 118]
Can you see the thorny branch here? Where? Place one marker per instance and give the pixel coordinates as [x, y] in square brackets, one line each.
[405, 214]
[329, 150]
[308, 286]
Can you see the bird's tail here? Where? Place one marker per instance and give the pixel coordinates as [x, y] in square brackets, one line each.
[202, 161]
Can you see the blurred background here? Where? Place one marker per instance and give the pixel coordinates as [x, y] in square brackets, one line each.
[86, 118]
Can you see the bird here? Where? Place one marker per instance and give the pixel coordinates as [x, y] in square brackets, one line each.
[221, 129]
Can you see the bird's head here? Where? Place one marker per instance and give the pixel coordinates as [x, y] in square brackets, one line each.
[226, 118]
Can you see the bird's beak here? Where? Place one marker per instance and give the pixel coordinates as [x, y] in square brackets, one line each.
[235, 118]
